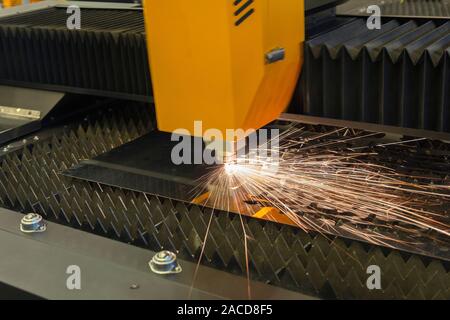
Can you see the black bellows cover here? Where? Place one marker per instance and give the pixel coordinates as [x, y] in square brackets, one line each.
[398, 75]
[107, 56]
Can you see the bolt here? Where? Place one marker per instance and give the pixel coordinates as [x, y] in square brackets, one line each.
[163, 255]
[32, 223]
[165, 262]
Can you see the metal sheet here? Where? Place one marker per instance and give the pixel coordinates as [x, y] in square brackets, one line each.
[144, 165]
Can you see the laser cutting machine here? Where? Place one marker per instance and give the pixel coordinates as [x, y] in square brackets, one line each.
[86, 116]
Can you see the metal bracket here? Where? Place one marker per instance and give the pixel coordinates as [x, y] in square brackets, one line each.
[19, 113]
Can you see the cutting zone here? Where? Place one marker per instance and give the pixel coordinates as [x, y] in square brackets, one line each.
[349, 169]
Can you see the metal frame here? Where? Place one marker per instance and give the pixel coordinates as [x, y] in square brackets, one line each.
[64, 4]
[28, 7]
[36, 264]
[373, 127]
[312, 6]
[357, 8]
[22, 110]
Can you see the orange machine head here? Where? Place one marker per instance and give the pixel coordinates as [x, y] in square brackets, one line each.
[231, 64]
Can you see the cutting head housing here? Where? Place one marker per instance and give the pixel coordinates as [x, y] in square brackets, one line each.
[229, 64]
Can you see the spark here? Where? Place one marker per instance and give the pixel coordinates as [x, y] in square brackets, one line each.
[323, 184]
[336, 182]
[231, 168]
